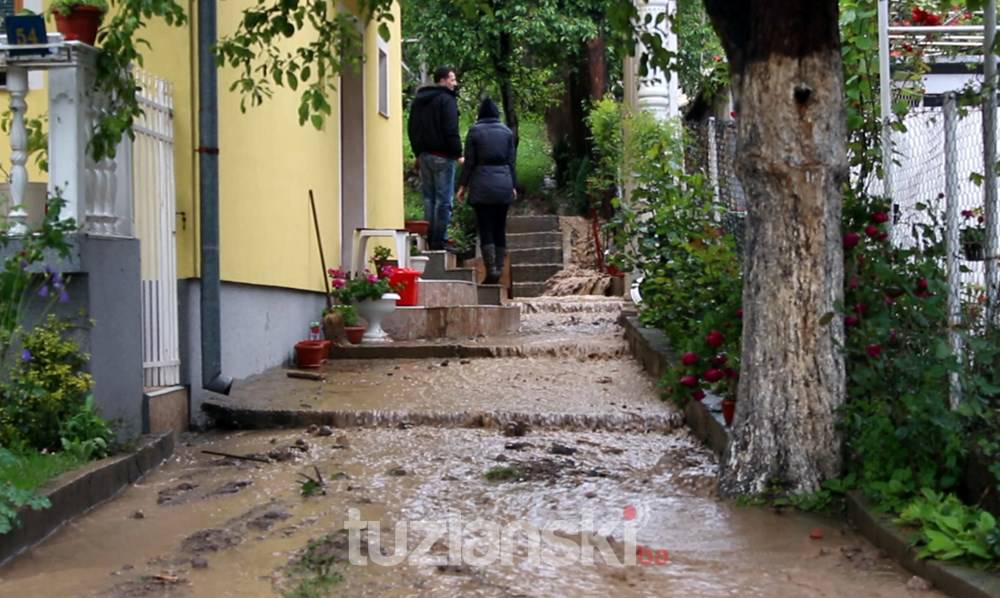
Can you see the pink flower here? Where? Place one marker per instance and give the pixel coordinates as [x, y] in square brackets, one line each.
[338, 283]
[336, 273]
[968, 214]
[372, 278]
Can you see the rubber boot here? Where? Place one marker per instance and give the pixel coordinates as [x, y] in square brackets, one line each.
[489, 257]
[497, 271]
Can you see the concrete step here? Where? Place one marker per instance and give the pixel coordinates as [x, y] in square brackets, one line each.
[463, 274]
[457, 321]
[528, 289]
[533, 272]
[442, 293]
[489, 294]
[532, 240]
[532, 224]
[439, 262]
[537, 255]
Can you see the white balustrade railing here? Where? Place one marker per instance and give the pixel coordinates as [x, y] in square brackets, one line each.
[97, 194]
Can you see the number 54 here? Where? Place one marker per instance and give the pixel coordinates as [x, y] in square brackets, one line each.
[26, 37]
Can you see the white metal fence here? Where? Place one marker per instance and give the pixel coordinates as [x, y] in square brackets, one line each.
[155, 206]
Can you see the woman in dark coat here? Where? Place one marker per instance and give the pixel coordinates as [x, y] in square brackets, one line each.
[488, 176]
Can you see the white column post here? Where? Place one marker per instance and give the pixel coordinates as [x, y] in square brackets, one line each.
[952, 244]
[69, 131]
[657, 93]
[17, 86]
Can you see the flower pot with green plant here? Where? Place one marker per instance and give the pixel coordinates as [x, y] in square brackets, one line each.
[349, 318]
[380, 259]
[78, 20]
[372, 296]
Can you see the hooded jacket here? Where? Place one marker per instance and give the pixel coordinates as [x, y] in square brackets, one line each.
[433, 124]
[489, 169]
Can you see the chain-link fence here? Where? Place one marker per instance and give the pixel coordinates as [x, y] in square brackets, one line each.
[710, 148]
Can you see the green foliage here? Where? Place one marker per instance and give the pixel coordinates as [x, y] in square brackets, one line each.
[120, 43]
[462, 230]
[381, 254]
[21, 473]
[327, 42]
[534, 157]
[12, 499]
[701, 66]
[502, 473]
[348, 312]
[313, 571]
[44, 388]
[364, 286]
[64, 7]
[950, 530]
[85, 433]
[38, 138]
[413, 204]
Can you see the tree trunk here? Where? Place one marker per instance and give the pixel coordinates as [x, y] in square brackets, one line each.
[792, 163]
[506, 89]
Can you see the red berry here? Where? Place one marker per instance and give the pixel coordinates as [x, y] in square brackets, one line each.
[698, 395]
[873, 350]
[715, 339]
[714, 375]
[689, 358]
[851, 240]
[689, 380]
[880, 217]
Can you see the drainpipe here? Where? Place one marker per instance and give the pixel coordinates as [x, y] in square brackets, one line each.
[208, 193]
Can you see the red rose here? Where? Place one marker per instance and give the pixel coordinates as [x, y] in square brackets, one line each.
[861, 309]
[689, 380]
[719, 360]
[851, 240]
[698, 394]
[689, 358]
[714, 375]
[715, 339]
[739, 313]
[872, 231]
[880, 217]
[851, 321]
[873, 350]
[922, 284]
[731, 373]
[854, 283]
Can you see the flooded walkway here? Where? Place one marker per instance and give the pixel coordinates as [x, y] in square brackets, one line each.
[510, 511]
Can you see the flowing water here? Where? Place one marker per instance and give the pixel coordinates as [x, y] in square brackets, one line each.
[515, 510]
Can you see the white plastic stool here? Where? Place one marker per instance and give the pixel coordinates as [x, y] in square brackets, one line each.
[361, 236]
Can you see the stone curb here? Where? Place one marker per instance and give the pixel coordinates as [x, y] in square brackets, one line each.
[76, 492]
[952, 579]
[650, 347]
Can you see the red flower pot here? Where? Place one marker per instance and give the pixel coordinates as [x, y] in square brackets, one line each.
[417, 227]
[80, 24]
[728, 410]
[311, 354]
[354, 334]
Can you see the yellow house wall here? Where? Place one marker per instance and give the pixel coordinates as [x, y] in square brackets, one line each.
[384, 149]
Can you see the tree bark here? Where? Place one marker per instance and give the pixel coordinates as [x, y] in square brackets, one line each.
[506, 89]
[792, 162]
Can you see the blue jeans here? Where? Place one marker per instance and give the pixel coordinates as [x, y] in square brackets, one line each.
[437, 184]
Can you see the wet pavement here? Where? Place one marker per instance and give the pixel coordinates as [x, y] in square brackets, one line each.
[508, 511]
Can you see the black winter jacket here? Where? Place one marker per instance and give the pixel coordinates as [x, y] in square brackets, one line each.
[433, 125]
[489, 174]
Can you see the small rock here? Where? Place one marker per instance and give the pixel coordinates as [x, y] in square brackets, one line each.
[274, 441]
[388, 373]
[560, 449]
[396, 367]
[342, 441]
[199, 563]
[444, 363]
[816, 534]
[138, 515]
[464, 361]
[404, 425]
[311, 430]
[514, 429]
[918, 584]
[398, 472]
[500, 458]
[301, 445]
[824, 551]
[605, 380]
[517, 446]
[590, 494]
[325, 431]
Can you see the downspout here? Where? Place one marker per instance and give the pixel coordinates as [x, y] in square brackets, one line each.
[208, 193]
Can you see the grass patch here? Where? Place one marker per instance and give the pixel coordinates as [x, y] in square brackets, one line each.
[534, 157]
[502, 473]
[30, 470]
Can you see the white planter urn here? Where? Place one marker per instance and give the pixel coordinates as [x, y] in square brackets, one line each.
[374, 311]
[419, 262]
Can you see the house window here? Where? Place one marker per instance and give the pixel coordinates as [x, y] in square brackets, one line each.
[383, 77]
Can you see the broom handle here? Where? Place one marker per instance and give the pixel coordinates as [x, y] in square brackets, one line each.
[322, 259]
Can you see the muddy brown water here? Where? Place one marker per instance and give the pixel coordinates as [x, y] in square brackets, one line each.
[203, 525]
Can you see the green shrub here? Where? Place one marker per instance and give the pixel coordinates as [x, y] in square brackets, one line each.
[46, 387]
[950, 530]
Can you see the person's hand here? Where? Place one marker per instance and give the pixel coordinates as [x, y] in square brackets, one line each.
[515, 193]
[461, 160]
[459, 195]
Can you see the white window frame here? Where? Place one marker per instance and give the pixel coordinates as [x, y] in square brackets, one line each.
[382, 95]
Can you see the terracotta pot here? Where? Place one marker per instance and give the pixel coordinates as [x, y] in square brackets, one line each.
[354, 334]
[80, 24]
[417, 227]
[728, 410]
[311, 354]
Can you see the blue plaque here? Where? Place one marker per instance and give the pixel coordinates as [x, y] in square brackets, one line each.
[26, 30]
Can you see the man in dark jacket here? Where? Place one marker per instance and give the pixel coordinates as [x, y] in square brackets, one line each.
[433, 131]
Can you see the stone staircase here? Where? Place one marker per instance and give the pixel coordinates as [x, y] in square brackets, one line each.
[535, 252]
[452, 305]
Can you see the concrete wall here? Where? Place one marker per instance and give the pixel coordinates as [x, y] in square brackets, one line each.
[104, 287]
[260, 326]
